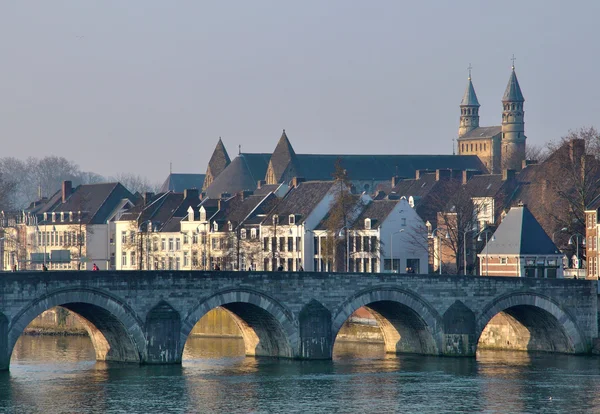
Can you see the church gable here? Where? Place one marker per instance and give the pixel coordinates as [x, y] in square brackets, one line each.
[283, 163]
[218, 162]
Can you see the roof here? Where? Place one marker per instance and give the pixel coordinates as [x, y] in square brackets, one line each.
[178, 182]
[377, 211]
[513, 90]
[302, 200]
[237, 208]
[243, 173]
[482, 132]
[95, 201]
[489, 185]
[521, 234]
[219, 159]
[283, 157]
[469, 98]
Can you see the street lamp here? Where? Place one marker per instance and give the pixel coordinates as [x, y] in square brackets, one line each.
[343, 233]
[486, 231]
[578, 238]
[558, 231]
[141, 265]
[392, 248]
[433, 235]
[465, 251]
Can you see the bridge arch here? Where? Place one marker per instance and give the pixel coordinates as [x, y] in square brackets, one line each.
[113, 327]
[539, 321]
[409, 324]
[268, 327]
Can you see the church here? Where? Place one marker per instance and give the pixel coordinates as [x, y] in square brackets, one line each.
[498, 147]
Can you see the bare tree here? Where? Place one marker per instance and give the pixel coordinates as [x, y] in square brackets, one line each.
[135, 182]
[537, 153]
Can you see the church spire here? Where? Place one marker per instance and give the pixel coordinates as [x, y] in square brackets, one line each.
[513, 124]
[283, 164]
[469, 109]
[218, 162]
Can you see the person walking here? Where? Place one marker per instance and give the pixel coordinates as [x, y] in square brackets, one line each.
[95, 268]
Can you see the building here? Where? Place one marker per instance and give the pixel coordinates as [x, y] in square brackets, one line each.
[520, 248]
[498, 147]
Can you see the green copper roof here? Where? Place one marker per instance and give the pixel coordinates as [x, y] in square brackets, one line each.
[469, 98]
[513, 90]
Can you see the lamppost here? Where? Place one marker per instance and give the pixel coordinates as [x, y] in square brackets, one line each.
[392, 248]
[486, 232]
[558, 231]
[343, 233]
[432, 236]
[578, 238]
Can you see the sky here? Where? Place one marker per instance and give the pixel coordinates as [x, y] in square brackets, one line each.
[132, 86]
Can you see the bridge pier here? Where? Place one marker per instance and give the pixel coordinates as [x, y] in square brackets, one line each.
[460, 338]
[163, 327]
[4, 356]
[316, 337]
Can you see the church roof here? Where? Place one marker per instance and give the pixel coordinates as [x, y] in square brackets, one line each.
[219, 159]
[282, 157]
[521, 234]
[469, 98]
[513, 90]
[178, 182]
[483, 132]
[243, 173]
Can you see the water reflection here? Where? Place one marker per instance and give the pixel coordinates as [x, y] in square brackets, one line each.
[58, 374]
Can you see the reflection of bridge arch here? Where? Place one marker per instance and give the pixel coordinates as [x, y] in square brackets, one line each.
[408, 323]
[541, 316]
[267, 327]
[114, 329]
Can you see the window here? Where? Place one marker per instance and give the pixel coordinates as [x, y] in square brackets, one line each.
[177, 263]
[368, 224]
[282, 244]
[243, 233]
[163, 244]
[124, 259]
[185, 238]
[292, 219]
[215, 226]
[290, 244]
[123, 237]
[132, 236]
[275, 220]
[186, 259]
[230, 226]
[214, 243]
[194, 238]
[403, 222]
[503, 260]
[170, 244]
[170, 263]
[177, 244]
[132, 258]
[265, 244]
[154, 245]
[253, 234]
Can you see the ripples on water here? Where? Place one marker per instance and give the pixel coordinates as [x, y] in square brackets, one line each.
[59, 375]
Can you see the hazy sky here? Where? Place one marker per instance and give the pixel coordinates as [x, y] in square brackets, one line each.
[128, 86]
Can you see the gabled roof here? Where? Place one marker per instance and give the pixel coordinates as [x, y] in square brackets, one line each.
[95, 201]
[469, 98]
[237, 208]
[283, 158]
[219, 159]
[178, 182]
[490, 185]
[521, 234]
[243, 173]
[377, 211]
[301, 200]
[513, 90]
[482, 132]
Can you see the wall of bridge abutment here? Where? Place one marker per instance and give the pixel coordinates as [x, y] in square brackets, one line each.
[146, 317]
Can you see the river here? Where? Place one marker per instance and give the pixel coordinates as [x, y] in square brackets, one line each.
[54, 374]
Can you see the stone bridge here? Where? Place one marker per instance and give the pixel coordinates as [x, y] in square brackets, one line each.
[146, 317]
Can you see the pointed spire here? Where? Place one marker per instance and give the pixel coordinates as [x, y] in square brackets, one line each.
[283, 158]
[513, 90]
[470, 97]
[218, 162]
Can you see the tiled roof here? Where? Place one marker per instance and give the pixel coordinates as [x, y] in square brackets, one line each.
[243, 173]
[521, 234]
[178, 182]
[301, 200]
[237, 208]
[377, 211]
[219, 159]
[489, 185]
[95, 201]
[283, 157]
[482, 132]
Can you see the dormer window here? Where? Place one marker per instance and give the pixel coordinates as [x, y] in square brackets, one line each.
[45, 216]
[367, 224]
[275, 220]
[215, 226]
[62, 217]
[243, 233]
[202, 214]
[292, 219]
[253, 234]
[70, 216]
[230, 226]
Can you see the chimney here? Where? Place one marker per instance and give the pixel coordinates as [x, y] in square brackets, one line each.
[147, 197]
[396, 179]
[526, 163]
[245, 194]
[508, 175]
[67, 190]
[296, 181]
[260, 184]
[191, 193]
[440, 174]
[576, 149]
[202, 195]
[468, 174]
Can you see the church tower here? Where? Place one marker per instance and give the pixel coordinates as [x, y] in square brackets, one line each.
[513, 125]
[469, 110]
